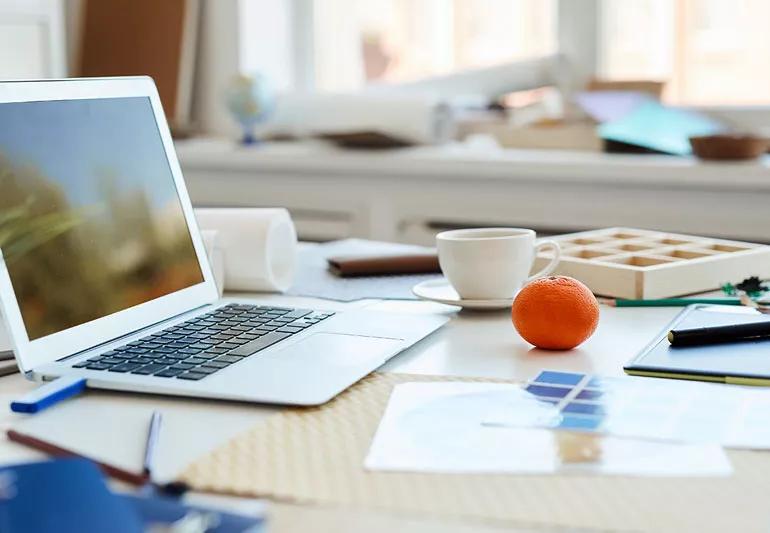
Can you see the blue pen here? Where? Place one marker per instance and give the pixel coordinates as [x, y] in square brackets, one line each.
[49, 394]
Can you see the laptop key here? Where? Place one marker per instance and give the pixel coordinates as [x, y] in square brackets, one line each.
[206, 369]
[149, 369]
[137, 350]
[182, 366]
[163, 349]
[139, 361]
[228, 346]
[198, 346]
[110, 360]
[192, 376]
[260, 343]
[97, 366]
[194, 361]
[297, 313]
[228, 359]
[167, 360]
[168, 373]
[215, 364]
[289, 329]
[125, 367]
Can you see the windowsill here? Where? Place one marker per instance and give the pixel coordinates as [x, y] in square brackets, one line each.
[475, 162]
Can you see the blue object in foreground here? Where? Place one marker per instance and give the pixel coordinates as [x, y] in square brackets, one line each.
[62, 496]
[49, 394]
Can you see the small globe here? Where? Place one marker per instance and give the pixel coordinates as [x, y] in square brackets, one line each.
[250, 99]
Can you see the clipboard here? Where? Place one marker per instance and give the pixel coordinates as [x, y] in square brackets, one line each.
[738, 363]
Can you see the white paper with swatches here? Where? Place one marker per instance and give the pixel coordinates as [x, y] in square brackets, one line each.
[438, 427]
[634, 407]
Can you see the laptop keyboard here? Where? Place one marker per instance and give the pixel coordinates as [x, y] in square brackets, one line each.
[206, 344]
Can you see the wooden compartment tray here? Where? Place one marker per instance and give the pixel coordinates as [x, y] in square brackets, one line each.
[636, 263]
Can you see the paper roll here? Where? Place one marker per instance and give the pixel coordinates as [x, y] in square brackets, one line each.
[216, 257]
[414, 118]
[259, 246]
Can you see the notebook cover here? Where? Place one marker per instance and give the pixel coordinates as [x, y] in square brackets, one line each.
[737, 362]
[62, 496]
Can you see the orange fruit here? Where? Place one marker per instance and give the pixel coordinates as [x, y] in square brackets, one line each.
[555, 312]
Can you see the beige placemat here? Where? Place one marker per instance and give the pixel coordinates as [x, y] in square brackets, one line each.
[315, 455]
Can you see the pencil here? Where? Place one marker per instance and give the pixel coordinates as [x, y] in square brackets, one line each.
[672, 302]
[152, 442]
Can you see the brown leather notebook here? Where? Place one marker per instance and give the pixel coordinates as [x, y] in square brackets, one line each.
[349, 266]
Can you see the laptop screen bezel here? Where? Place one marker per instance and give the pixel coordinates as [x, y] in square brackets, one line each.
[44, 350]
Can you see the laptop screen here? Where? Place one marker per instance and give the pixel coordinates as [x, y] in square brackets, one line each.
[90, 218]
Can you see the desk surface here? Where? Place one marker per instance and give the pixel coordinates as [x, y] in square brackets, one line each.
[478, 344]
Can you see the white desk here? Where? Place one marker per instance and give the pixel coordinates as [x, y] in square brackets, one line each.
[471, 344]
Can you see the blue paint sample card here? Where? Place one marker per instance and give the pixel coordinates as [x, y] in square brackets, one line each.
[659, 409]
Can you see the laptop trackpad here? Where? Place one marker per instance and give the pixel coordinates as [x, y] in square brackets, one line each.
[340, 350]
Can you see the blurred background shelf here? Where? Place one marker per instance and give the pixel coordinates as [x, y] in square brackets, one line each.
[408, 194]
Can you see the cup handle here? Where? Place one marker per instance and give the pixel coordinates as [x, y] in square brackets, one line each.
[550, 267]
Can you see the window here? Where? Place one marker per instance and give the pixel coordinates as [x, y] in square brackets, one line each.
[359, 42]
[710, 52]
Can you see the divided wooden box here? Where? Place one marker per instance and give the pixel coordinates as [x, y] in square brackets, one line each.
[635, 263]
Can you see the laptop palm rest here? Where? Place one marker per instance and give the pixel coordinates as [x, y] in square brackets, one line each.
[310, 371]
[337, 350]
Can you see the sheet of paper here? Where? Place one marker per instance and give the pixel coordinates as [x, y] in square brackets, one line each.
[314, 279]
[648, 408]
[438, 427]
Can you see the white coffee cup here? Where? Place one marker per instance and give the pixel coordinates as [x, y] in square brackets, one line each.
[491, 263]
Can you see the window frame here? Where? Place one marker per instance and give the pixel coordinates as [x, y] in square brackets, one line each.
[578, 38]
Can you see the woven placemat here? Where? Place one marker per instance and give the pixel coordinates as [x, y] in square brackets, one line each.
[316, 455]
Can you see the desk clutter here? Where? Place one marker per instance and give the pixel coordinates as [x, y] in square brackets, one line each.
[71, 496]
[316, 456]
[317, 275]
[636, 263]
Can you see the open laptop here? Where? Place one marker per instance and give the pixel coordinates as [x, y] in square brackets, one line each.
[103, 273]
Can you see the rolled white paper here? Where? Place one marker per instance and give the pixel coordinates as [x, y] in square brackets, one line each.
[415, 118]
[216, 257]
[259, 246]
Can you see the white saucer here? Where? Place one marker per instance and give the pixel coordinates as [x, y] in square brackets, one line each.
[439, 290]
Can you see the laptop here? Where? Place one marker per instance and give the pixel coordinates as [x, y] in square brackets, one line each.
[103, 274]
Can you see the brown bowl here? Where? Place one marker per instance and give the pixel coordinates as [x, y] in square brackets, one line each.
[724, 147]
